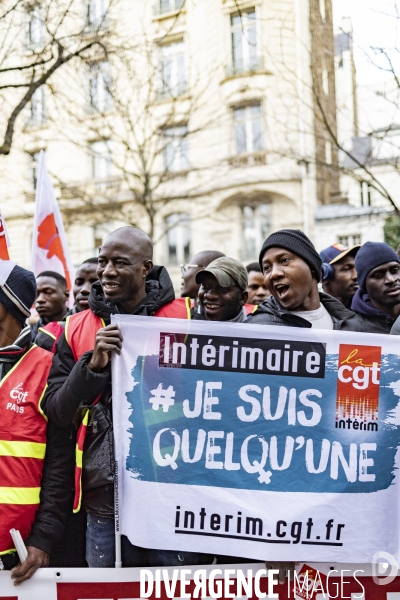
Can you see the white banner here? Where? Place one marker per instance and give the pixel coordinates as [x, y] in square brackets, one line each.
[50, 250]
[259, 442]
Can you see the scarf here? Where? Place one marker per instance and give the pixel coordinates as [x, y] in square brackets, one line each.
[9, 355]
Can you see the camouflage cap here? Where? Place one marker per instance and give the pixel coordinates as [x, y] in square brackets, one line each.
[227, 271]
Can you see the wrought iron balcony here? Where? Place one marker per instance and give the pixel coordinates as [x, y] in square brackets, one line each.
[252, 65]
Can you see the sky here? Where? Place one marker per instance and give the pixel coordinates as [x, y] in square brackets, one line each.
[376, 25]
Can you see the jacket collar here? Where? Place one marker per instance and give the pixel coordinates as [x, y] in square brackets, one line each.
[335, 308]
[159, 291]
[14, 351]
[362, 305]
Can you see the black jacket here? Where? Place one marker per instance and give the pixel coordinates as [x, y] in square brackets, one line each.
[72, 386]
[35, 329]
[376, 320]
[270, 312]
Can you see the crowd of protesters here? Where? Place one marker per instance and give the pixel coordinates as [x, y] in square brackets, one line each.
[64, 360]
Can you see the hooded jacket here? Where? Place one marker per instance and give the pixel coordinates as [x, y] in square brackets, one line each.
[270, 312]
[73, 385]
[376, 320]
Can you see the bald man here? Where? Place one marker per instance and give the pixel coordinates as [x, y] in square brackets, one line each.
[81, 373]
[189, 271]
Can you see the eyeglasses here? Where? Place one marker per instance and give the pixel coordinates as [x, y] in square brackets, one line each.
[187, 266]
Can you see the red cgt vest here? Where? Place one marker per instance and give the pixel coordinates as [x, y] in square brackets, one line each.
[53, 330]
[22, 443]
[80, 333]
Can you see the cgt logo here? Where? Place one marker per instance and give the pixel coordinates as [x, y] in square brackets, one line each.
[18, 394]
[354, 370]
[357, 397]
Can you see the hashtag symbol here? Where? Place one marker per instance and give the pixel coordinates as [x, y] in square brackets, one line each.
[161, 397]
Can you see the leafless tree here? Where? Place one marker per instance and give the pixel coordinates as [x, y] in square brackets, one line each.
[36, 41]
[144, 118]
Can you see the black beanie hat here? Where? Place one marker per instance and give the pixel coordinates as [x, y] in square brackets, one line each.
[297, 242]
[18, 293]
[370, 256]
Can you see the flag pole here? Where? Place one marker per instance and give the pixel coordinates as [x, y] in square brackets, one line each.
[118, 557]
[36, 210]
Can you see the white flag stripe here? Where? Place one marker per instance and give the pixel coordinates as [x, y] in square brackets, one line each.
[6, 266]
[50, 250]
[3, 229]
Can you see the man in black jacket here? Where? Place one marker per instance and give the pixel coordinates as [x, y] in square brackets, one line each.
[292, 270]
[378, 298]
[51, 299]
[47, 335]
[128, 284]
[339, 275]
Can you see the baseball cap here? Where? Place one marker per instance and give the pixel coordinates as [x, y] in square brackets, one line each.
[227, 271]
[336, 252]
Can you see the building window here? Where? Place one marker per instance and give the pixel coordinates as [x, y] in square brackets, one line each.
[248, 128]
[37, 115]
[35, 33]
[33, 169]
[350, 240]
[165, 6]
[173, 75]
[244, 42]
[99, 86]
[178, 238]
[101, 159]
[96, 14]
[176, 156]
[256, 225]
[365, 193]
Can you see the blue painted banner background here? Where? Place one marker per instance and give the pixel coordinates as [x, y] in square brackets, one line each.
[147, 421]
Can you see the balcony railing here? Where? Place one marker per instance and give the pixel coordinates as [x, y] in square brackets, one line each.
[97, 24]
[34, 121]
[244, 67]
[249, 160]
[108, 185]
[162, 7]
[171, 92]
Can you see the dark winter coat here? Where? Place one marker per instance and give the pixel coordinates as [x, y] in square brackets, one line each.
[73, 385]
[376, 320]
[396, 327]
[35, 329]
[270, 312]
